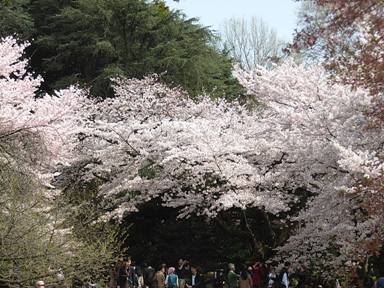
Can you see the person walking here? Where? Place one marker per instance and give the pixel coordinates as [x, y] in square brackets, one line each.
[245, 280]
[127, 277]
[196, 279]
[138, 272]
[233, 278]
[256, 274]
[271, 277]
[283, 276]
[187, 272]
[159, 279]
[183, 272]
[172, 281]
[148, 275]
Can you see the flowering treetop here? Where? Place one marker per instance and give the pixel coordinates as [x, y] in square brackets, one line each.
[204, 156]
[52, 121]
[152, 141]
[332, 150]
[350, 33]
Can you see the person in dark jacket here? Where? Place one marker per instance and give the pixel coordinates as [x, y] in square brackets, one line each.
[300, 276]
[283, 278]
[196, 280]
[183, 272]
[148, 276]
[127, 277]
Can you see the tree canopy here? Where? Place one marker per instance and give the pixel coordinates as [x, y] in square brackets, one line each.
[88, 42]
[307, 161]
[204, 157]
[350, 36]
[251, 42]
[37, 235]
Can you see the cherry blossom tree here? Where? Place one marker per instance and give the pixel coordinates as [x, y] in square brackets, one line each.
[36, 135]
[333, 151]
[152, 141]
[204, 156]
[51, 122]
[350, 34]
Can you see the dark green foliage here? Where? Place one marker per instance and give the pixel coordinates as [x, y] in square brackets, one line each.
[90, 41]
[157, 236]
[14, 19]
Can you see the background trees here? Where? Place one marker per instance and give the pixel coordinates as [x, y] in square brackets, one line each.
[350, 33]
[37, 241]
[37, 236]
[310, 154]
[348, 37]
[154, 227]
[251, 42]
[338, 219]
[15, 19]
[88, 42]
[207, 157]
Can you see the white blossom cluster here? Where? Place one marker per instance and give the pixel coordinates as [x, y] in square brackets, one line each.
[53, 120]
[334, 152]
[203, 156]
[198, 156]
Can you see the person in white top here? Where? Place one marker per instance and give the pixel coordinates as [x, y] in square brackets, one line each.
[271, 277]
[284, 275]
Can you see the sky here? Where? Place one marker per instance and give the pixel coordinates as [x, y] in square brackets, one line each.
[278, 14]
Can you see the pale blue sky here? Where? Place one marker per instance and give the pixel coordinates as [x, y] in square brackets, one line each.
[278, 14]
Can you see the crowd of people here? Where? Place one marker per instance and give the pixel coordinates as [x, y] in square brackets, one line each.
[128, 275]
[186, 275]
[258, 275]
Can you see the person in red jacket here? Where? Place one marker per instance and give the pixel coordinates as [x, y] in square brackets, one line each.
[256, 274]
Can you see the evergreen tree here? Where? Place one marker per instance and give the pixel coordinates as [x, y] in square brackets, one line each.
[14, 18]
[88, 42]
